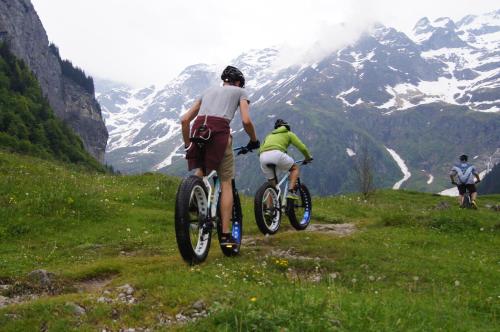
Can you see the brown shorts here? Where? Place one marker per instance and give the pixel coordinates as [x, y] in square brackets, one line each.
[226, 168]
[462, 188]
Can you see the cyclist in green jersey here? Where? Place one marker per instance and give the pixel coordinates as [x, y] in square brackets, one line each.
[274, 151]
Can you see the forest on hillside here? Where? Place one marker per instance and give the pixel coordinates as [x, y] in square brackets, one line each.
[28, 125]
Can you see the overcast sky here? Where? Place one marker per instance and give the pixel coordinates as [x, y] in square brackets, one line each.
[142, 42]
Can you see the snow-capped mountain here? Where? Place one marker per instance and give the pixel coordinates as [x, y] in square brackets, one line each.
[416, 100]
[457, 64]
[143, 124]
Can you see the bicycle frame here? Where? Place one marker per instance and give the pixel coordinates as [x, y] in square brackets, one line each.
[215, 190]
[284, 180]
[213, 193]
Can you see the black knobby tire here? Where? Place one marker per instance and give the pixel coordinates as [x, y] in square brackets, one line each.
[237, 217]
[267, 216]
[299, 211]
[192, 226]
[467, 201]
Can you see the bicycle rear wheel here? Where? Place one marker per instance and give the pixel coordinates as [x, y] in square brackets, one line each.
[299, 211]
[467, 201]
[267, 209]
[192, 224]
[236, 225]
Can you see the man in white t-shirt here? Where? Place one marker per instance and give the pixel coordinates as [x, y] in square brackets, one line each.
[214, 111]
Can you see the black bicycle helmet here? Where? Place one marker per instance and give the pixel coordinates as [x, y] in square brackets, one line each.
[463, 157]
[281, 122]
[232, 75]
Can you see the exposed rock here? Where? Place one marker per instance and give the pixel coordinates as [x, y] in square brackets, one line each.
[164, 320]
[41, 278]
[198, 305]
[76, 308]
[5, 301]
[127, 289]
[181, 318]
[125, 294]
[5, 287]
[78, 108]
[104, 299]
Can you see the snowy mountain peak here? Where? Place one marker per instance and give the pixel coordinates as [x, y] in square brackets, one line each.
[422, 23]
[440, 33]
[257, 65]
[257, 58]
[444, 22]
[197, 67]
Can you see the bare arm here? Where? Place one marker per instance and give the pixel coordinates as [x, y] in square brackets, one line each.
[477, 177]
[247, 122]
[186, 120]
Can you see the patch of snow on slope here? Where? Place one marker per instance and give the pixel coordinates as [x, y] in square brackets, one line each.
[350, 152]
[402, 166]
[452, 192]
[168, 161]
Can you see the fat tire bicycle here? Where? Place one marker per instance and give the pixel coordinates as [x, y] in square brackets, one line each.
[271, 202]
[197, 213]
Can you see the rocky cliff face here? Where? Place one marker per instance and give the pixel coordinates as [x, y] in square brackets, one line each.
[21, 27]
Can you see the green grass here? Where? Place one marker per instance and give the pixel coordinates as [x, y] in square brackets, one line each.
[409, 267]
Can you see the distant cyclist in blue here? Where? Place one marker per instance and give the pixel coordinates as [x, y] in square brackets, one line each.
[465, 174]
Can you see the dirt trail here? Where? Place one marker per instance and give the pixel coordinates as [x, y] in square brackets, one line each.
[339, 230]
[333, 229]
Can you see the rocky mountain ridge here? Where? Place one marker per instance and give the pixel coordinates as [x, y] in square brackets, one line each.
[22, 29]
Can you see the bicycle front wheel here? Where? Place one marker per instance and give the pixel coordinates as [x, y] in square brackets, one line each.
[299, 211]
[192, 223]
[267, 209]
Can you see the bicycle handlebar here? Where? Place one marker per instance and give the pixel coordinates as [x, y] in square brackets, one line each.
[304, 161]
[242, 150]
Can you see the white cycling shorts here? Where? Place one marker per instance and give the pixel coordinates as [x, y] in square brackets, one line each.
[282, 161]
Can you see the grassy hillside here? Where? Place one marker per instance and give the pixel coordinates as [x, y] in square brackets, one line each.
[415, 262]
[27, 123]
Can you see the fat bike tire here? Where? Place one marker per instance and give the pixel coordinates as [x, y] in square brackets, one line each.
[299, 211]
[192, 226]
[268, 218]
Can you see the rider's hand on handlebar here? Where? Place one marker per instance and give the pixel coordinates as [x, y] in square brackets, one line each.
[308, 161]
[252, 145]
[478, 181]
[243, 150]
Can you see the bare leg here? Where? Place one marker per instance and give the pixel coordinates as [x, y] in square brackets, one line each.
[199, 173]
[461, 200]
[294, 175]
[473, 196]
[226, 204]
